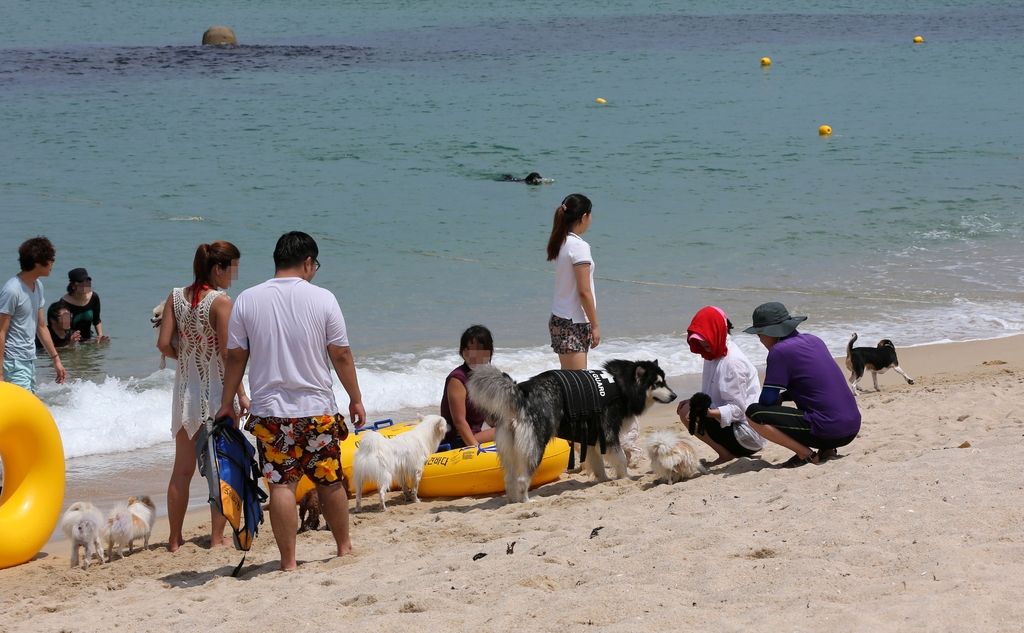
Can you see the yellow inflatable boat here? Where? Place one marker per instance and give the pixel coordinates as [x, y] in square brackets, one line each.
[460, 472]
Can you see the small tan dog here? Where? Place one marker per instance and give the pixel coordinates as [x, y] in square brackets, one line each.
[673, 458]
[158, 318]
[128, 522]
[82, 523]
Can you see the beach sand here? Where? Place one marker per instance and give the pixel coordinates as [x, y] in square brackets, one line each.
[919, 526]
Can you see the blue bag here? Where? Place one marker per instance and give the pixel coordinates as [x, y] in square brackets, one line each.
[227, 460]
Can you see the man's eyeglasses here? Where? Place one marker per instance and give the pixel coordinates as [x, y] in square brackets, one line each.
[316, 263]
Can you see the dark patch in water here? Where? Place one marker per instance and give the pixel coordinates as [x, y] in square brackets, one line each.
[173, 61]
[499, 40]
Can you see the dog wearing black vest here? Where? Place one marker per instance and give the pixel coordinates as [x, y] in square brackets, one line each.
[588, 407]
[877, 360]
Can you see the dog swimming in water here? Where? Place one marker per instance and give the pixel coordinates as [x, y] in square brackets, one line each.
[533, 178]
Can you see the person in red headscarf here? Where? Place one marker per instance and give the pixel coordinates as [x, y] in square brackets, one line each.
[730, 380]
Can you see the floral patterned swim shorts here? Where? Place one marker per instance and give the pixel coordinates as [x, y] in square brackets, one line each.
[292, 447]
[568, 337]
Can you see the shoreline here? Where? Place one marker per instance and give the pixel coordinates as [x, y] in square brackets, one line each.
[107, 478]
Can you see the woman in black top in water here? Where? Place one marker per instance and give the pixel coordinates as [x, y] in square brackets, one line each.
[84, 306]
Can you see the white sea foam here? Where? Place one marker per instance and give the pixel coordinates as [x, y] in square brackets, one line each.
[112, 416]
[118, 415]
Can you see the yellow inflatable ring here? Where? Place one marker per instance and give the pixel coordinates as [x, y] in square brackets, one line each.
[33, 457]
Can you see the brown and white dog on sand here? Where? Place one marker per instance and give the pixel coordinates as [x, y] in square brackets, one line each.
[129, 522]
[673, 458]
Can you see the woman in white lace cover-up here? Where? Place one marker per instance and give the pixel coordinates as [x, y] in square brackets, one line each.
[199, 314]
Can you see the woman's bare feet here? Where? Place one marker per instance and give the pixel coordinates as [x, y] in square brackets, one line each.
[173, 544]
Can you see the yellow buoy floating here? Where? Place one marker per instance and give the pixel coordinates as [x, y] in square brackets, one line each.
[765, 61]
[824, 131]
[600, 100]
[918, 40]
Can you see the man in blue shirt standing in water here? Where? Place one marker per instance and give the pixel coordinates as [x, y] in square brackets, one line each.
[21, 316]
[801, 369]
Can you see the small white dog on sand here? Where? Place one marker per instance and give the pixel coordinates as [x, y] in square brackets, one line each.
[402, 458]
[672, 458]
[127, 523]
[82, 524]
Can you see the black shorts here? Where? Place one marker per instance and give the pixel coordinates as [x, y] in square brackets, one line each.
[725, 438]
[793, 423]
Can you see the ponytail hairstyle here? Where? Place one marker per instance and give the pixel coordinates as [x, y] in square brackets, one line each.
[219, 253]
[574, 207]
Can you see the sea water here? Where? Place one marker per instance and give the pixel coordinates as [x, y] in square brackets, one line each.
[383, 128]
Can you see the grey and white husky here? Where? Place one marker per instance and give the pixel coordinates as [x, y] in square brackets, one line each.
[528, 415]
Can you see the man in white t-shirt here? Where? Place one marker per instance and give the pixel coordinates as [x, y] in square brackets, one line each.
[291, 333]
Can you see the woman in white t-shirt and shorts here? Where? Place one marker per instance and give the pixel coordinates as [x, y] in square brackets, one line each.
[573, 323]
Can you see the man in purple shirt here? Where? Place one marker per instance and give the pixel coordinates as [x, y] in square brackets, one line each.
[801, 369]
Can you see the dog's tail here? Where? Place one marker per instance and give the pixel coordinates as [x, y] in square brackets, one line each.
[374, 460]
[143, 508]
[661, 444]
[495, 393]
[849, 346]
[120, 526]
[371, 445]
[662, 441]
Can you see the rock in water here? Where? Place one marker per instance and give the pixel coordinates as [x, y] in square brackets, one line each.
[216, 35]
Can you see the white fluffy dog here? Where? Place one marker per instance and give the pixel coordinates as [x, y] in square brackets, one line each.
[127, 523]
[672, 458]
[157, 320]
[401, 458]
[82, 524]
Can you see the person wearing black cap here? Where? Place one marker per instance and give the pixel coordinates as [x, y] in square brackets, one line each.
[800, 368]
[84, 306]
